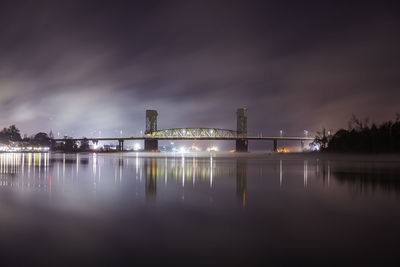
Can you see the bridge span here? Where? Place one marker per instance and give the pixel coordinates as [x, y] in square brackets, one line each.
[152, 135]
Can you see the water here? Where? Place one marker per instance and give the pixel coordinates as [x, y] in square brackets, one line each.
[206, 209]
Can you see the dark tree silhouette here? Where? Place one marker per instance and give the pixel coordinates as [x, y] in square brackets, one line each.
[362, 138]
[69, 145]
[10, 134]
[84, 144]
[321, 140]
[42, 139]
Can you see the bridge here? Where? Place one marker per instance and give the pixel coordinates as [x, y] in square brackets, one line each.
[152, 135]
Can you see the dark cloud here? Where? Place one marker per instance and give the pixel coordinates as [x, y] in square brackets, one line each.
[79, 66]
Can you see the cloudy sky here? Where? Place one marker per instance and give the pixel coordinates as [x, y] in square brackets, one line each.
[76, 67]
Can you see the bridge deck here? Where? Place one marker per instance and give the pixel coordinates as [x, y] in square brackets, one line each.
[291, 138]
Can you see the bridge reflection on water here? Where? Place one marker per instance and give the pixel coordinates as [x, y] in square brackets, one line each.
[92, 172]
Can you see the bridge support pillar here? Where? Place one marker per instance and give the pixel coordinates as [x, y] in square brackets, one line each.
[151, 145]
[242, 145]
[302, 145]
[275, 145]
[121, 145]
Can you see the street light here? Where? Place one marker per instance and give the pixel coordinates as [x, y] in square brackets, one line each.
[306, 133]
[281, 132]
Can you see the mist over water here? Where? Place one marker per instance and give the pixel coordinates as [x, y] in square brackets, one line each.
[206, 209]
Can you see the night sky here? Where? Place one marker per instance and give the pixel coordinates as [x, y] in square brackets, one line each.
[78, 66]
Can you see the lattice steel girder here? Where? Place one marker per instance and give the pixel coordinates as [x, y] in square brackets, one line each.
[194, 132]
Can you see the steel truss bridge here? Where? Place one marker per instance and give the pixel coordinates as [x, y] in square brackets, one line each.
[153, 135]
[97, 139]
[194, 133]
[191, 134]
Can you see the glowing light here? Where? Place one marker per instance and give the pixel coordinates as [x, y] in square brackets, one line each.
[9, 148]
[315, 147]
[136, 146]
[211, 170]
[283, 150]
[194, 148]
[212, 148]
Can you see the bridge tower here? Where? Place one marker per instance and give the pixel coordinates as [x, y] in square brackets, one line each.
[151, 126]
[242, 145]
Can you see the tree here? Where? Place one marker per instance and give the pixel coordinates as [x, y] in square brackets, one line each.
[69, 145]
[320, 141]
[361, 138]
[84, 144]
[42, 139]
[10, 134]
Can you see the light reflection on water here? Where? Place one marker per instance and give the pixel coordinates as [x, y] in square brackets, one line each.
[282, 202]
[44, 171]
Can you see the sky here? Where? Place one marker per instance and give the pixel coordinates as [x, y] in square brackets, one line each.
[80, 67]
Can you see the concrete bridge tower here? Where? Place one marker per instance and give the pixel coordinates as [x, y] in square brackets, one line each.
[242, 145]
[151, 126]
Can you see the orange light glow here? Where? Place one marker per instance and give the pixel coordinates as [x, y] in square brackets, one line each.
[283, 150]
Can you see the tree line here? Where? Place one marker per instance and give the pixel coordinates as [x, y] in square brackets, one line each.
[363, 137]
[13, 135]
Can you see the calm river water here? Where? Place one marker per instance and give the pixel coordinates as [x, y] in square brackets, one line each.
[205, 209]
